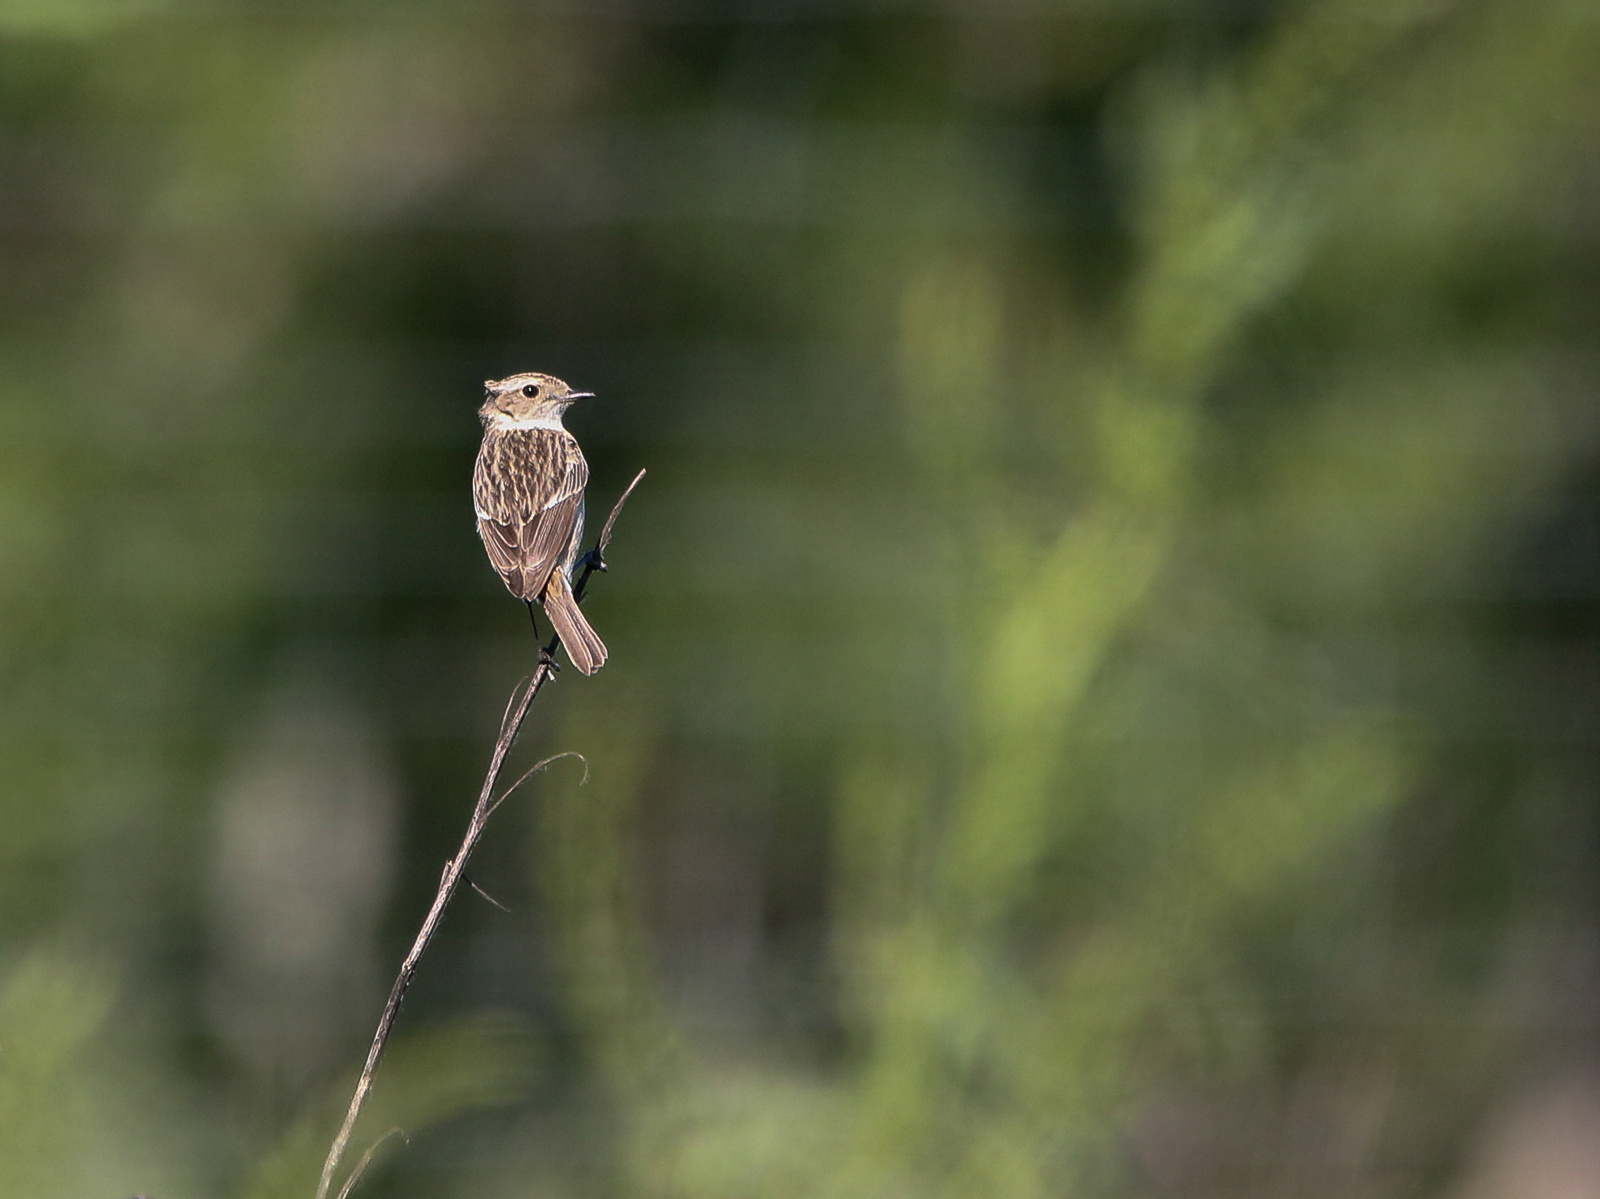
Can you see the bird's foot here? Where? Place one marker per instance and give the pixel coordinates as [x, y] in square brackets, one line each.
[595, 560]
[546, 658]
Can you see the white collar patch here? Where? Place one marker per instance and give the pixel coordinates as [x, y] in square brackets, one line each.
[552, 423]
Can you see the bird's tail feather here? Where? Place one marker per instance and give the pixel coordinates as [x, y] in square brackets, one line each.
[583, 644]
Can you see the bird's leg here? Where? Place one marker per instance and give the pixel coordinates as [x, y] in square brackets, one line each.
[547, 653]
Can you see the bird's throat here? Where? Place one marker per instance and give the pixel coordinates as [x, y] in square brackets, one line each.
[500, 422]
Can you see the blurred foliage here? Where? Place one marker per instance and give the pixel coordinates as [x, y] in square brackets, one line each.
[1101, 698]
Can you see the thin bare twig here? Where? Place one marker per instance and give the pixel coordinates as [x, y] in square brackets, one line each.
[487, 898]
[611, 521]
[511, 702]
[366, 1160]
[450, 880]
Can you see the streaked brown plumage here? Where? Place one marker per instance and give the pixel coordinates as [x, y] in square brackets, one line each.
[528, 492]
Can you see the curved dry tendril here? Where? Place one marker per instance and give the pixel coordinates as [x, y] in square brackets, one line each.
[511, 702]
[535, 769]
[366, 1160]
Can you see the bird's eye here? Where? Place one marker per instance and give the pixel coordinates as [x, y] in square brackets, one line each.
[530, 391]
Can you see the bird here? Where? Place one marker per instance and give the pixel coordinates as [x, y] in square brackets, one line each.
[527, 491]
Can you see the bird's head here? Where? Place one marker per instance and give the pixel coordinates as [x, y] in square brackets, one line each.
[528, 398]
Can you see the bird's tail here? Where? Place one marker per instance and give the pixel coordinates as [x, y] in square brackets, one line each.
[583, 644]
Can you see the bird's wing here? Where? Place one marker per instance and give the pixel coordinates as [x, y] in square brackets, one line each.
[528, 526]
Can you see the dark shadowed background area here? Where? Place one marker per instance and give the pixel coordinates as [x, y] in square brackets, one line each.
[1103, 697]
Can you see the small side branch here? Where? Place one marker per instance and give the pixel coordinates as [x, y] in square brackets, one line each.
[450, 880]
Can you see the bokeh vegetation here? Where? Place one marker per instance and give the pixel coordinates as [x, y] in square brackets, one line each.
[1101, 698]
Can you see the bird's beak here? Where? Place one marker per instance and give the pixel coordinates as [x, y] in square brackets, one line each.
[579, 395]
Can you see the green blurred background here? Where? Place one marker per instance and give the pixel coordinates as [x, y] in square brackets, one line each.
[1103, 696]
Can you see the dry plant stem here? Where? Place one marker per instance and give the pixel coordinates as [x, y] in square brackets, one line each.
[366, 1160]
[450, 881]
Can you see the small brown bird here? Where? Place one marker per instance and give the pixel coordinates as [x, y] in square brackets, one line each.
[528, 492]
